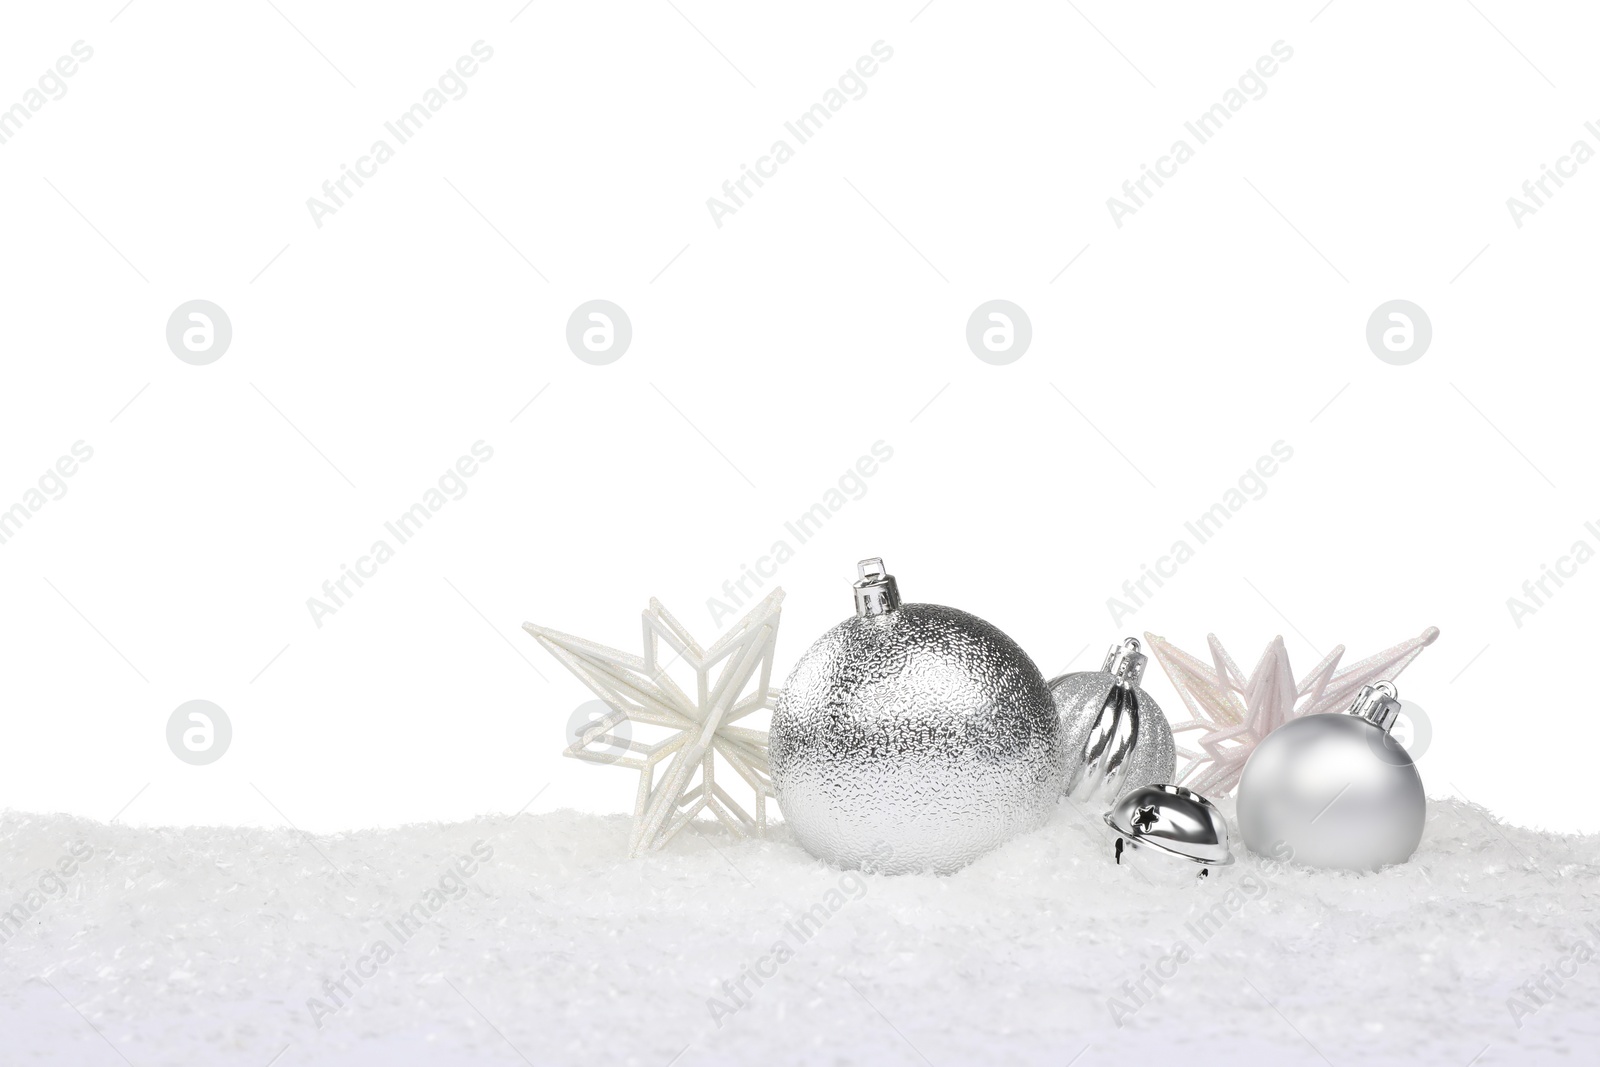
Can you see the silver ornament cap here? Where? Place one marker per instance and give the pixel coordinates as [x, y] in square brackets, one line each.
[1171, 822]
[1117, 738]
[913, 737]
[876, 590]
[1335, 790]
[1378, 704]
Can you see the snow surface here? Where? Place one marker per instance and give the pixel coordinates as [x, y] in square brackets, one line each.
[204, 946]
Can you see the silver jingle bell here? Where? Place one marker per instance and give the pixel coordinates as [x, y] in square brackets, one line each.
[1335, 789]
[913, 737]
[1174, 823]
[1116, 737]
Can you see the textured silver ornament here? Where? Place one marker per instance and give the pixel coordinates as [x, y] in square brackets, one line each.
[1335, 790]
[1115, 734]
[913, 737]
[1177, 825]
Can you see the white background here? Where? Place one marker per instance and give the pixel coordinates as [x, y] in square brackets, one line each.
[827, 314]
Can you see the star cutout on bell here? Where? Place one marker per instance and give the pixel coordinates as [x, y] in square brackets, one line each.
[1145, 818]
[678, 774]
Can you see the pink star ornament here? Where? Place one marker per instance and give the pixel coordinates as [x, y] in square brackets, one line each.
[1233, 712]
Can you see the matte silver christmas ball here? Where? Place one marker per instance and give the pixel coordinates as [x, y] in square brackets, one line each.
[1335, 789]
[1115, 734]
[913, 737]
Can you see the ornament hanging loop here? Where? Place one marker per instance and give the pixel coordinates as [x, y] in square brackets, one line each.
[1125, 662]
[1379, 704]
[877, 592]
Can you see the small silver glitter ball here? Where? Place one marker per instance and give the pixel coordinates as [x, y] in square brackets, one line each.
[913, 737]
[1335, 789]
[1116, 737]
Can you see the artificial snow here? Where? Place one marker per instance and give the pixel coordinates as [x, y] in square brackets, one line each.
[536, 939]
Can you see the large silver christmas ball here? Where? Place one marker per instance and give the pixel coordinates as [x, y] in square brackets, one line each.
[1334, 790]
[1115, 735]
[913, 737]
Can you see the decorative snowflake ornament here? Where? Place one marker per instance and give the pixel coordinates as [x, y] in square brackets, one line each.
[732, 681]
[1234, 712]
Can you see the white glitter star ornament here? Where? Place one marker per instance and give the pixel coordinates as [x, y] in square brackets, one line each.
[732, 682]
[1234, 713]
